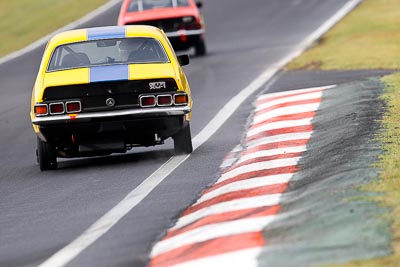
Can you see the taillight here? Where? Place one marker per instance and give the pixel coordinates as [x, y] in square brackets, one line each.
[73, 107]
[197, 25]
[164, 100]
[181, 99]
[147, 101]
[41, 110]
[56, 108]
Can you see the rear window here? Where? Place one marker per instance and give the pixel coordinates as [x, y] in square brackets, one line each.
[107, 52]
[140, 5]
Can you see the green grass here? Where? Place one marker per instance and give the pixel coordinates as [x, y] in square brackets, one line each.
[24, 21]
[369, 38]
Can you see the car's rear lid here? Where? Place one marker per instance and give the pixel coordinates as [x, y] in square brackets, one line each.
[157, 14]
[148, 71]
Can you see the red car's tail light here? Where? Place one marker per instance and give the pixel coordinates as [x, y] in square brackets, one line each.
[56, 108]
[41, 110]
[198, 25]
[164, 100]
[73, 107]
[181, 99]
[147, 101]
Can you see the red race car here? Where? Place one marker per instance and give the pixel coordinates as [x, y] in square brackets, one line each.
[180, 19]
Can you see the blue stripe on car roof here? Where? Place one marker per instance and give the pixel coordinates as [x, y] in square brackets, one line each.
[109, 73]
[105, 33]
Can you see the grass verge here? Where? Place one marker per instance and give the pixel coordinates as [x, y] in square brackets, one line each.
[24, 21]
[369, 39]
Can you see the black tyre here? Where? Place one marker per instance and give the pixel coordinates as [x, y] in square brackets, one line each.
[183, 141]
[46, 155]
[200, 48]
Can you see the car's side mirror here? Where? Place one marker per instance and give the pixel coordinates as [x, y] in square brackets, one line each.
[183, 60]
[199, 3]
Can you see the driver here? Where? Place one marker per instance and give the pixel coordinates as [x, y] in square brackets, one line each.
[127, 47]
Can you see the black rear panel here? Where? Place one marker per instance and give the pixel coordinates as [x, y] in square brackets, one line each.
[169, 25]
[94, 95]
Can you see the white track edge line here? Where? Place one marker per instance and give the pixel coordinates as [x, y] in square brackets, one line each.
[245, 257]
[290, 93]
[270, 152]
[212, 231]
[277, 138]
[278, 125]
[251, 202]
[248, 184]
[310, 96]
[89, 236]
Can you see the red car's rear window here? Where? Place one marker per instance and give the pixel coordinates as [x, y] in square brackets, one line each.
[140, 5]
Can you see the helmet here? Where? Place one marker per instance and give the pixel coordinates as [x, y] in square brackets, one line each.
[127, 46]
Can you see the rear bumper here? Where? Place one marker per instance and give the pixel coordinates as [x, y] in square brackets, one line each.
[185, 33]
[131, 113]
[184, 39]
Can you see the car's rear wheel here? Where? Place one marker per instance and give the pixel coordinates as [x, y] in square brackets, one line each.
[46, 155]
[183, 141]
[200, 48]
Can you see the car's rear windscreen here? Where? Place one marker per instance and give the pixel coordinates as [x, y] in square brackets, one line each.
[140, 5]
[107, 52]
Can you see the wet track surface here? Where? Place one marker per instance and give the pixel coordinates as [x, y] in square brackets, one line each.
[41, 212]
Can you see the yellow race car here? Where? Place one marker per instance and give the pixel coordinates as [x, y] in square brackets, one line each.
[108, 89]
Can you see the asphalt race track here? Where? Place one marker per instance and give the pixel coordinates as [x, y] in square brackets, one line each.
[42, 212]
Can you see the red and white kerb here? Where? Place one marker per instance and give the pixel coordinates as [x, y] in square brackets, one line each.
[225, 225]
